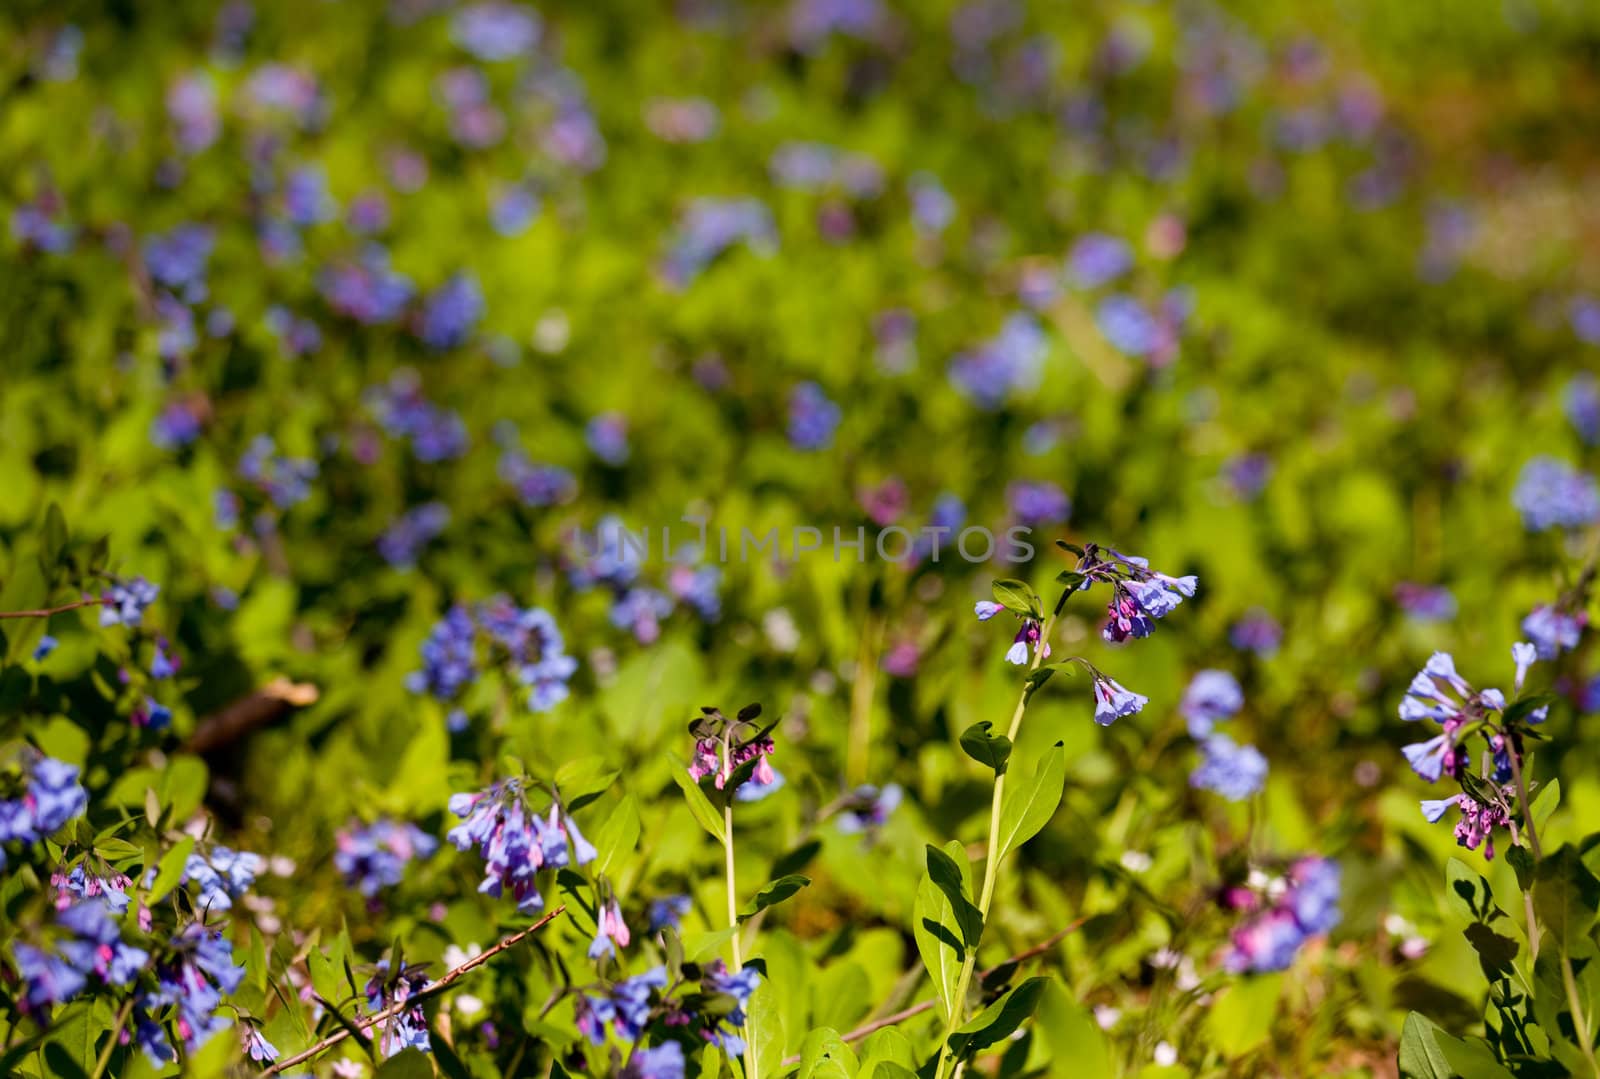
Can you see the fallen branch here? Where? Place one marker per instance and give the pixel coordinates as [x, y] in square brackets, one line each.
[449, 978]
[46, 612]
[917, 1009]
[249, 712]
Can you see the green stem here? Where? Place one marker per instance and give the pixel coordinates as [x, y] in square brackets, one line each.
[734, 942]
[1580, 1020]
[104, 1060]
[991, 866]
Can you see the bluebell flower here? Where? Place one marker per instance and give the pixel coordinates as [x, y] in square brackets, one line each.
[1307, 906]
[79, 885]
[699, 588]
[607, 435]
[256, 1046]
[718, 979]
[124, 603]
[1233, 771]
[813, 418]
[667, 913]
[1211, 696]
[450, 313]
[46, 645]
[47, 978]
[415, 529]
[1425, 603]
[712, 226]
[1256, 632]
[495, 31]
[1523, 655]
[665, 1061]
[177, 425]
[306, 198]
[1010, 362]
[1552, 494]
[1128, 325]
[1113, 701]
[1553, 630]
[1036, 504]
[409, 1028]
[37, 226]
[870, 808]
[513, 210]
[286, 481]
[374, 857]
[932, 208]
[611, 932]
[222, 876]
[1098, 259]
[640, 611]
[1581, 399]
[53, 797]
[177, 259]
[368, 290]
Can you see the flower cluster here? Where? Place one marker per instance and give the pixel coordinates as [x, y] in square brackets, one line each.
[514, 842]
[1231, 770]
[1552, 494]
[1553, 630]
[51, 796]
[124, 603]
[191, 983]
[434, 434]
[1284, 913]
[525, 641]
[1030, 634]
[713, 1014]
[373, 857]
[286, 481]
[734, 754]
[869, 808]
[221, 876]
[409, 1028]
[94, 950]
[1439, 694]
[1139, 595]
[712, 226]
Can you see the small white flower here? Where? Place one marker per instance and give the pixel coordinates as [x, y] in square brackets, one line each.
[454, 956]
[782, 633]
[349, 1069]
[468, 1005]
[1166, 1055]
[1136, 861]
[1106, 1016]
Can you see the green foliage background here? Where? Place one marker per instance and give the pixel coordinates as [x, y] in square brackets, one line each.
[1396, 412]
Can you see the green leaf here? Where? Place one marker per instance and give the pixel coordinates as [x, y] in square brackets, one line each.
[699, 805]
[1469, 893]
[1025, 811]
[947, 876]
[1520, 708]
[52, 540]
[1076, 1045]
[62, 1066]
[1241, 1016]
[989, 750]
[1522, 862]
[170, 870]
[1426, 1052]
[824, 1055]
[1073, 547]
[697, 946]
[1019, 598]
[773, 894]
[583, 780]
[938, 942]
[1565, 894]
[618, 836]
[1040, 675]
[407, 1064]
[999, 1020]
[1545, 802]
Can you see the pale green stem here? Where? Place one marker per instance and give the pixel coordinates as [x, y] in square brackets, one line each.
[991, 866]
[1580, 1019]
[734, 942]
